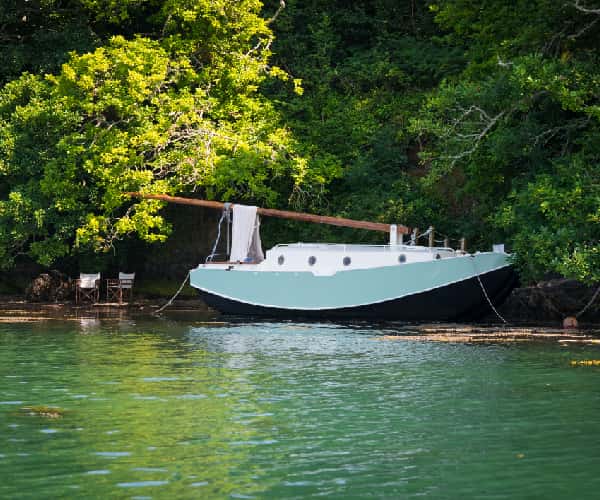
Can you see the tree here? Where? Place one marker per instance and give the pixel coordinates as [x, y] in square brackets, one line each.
[37, 35]
[180, 113]
[514, 146]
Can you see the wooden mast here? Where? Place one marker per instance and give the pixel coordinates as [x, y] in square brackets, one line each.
[282, 214]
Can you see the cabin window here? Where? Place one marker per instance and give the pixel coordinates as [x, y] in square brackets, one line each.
[311, 260]
[280, 260]
[347, 261]
[402, 258]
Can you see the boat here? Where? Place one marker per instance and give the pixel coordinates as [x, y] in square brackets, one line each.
[393, 281]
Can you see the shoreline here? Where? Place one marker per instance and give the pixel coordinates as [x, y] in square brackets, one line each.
[15, 308]
[19, 308]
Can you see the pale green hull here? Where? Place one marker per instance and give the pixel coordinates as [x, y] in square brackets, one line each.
[344, 289]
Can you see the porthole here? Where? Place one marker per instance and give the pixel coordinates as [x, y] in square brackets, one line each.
[311, 260]
[438, 256]
[402, 258]
[347, 261]
[280, 260]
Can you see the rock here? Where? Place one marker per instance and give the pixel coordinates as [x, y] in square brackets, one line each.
[551, 300]
[43, 411]
[52, 286]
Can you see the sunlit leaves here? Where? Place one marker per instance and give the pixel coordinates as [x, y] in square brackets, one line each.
[181, 112]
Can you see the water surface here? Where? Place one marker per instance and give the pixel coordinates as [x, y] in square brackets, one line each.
[184, 409]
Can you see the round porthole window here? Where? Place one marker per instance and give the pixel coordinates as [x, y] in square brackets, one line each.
[311, 260]
[402, 258]
[347, 261]
[438, 256]
[280, 260]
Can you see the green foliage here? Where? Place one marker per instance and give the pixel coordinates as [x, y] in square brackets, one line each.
[174, 115]
[479, 117]
[513, 148]
[363, 66]
[555, 219]
[37, 35]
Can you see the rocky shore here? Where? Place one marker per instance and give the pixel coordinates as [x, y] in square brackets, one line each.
[552, 301]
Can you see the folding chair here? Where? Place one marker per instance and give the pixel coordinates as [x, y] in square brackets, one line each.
[116, 289]
[87, 287]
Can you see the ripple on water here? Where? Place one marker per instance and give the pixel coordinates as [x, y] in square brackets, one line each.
[112, 454]
[191, 396]
[254, 442]
[142, 484]
[298, 413]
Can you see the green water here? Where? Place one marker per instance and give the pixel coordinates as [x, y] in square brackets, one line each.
[180, 409]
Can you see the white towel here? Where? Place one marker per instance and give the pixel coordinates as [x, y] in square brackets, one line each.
[245, 235]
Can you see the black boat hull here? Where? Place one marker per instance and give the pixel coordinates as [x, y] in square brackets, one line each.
[460, 301]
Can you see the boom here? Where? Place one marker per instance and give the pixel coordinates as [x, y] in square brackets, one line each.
[282, 214]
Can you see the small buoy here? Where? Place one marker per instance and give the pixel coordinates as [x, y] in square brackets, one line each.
[570, 322]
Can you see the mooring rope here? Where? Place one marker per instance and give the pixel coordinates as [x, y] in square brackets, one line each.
[162, 308]
[485, 292]
[208, 259]
[585, 308]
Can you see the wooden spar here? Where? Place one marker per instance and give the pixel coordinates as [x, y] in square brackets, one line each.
[282, 214]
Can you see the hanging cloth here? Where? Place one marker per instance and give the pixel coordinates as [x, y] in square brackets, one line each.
[245, 235]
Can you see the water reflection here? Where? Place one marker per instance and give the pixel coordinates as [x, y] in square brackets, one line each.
[163, 408]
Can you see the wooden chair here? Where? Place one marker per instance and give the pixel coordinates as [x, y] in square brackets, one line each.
[87, 287]
[116, 289]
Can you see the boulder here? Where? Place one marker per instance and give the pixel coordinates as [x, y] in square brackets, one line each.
[52, 286]
[551, 300]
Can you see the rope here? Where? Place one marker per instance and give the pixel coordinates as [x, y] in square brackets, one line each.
[214, 248]
[426, 233]
[486, 294]
[413, 238]
[225, 214]
[589, 303]
[158, 311]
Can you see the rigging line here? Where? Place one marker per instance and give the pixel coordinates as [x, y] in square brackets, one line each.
[214, 249]
[426, 233]
[485, 292]
[589, 303]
